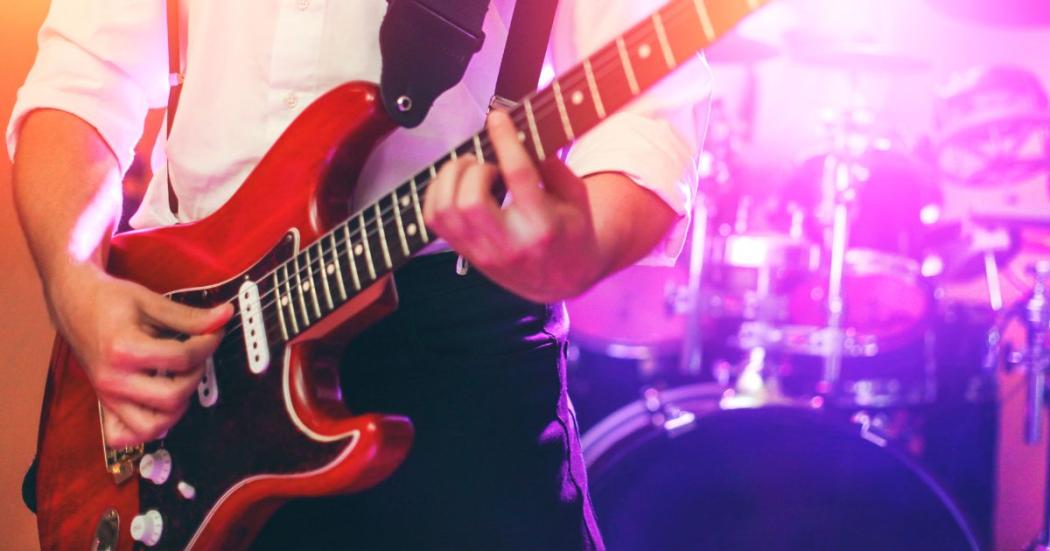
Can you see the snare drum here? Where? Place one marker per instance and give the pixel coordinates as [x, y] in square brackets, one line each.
[886, 340]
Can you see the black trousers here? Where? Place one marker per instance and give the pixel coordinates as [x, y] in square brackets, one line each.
[496, 462]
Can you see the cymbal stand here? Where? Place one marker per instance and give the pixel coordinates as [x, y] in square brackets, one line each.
[836, 171]
[716, 149]
[839, 186]
[1037, 320]
[691, 361]
[991, 241]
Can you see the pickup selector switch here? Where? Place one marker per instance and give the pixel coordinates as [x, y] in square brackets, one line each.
[186, 491]
[147, 527]
[156, 466]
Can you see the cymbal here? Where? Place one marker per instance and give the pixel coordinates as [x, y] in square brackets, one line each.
[1008, 13]
[859, 57]
[735, 48]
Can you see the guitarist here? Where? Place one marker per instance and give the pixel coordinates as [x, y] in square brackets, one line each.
[474, 357]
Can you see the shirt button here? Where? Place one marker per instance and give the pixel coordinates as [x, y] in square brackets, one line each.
[291, 100]
[302, 4]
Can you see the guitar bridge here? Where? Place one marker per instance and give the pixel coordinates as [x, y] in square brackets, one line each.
[120, 462]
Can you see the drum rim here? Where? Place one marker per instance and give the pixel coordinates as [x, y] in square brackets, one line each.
[625, 422]
[634, 416]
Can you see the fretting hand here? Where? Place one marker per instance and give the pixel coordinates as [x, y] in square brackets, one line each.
[543, 246]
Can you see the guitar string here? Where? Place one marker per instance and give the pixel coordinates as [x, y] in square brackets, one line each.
[544, 108]
[603, 64]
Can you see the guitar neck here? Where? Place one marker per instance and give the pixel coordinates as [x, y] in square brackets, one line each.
[384, 236]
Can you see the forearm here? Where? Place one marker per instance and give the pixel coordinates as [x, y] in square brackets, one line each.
[629, 220]
[67, 193]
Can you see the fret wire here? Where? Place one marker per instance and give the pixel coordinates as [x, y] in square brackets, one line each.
[291, 301]
[419, 212]
[382, 238]
[628, 69]
[665, 45]
[367, 248]
[453, 155]
[272, 333]
[312, 283]
[705, 19]
[478, 150]
[537, 144]
[324, 276]
[338, 268]
[563, 112]
[280, 315]
[350, 257]
[400, 225]
[299, 288]
[593, 85]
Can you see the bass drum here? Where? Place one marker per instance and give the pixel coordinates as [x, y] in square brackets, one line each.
[675, 472]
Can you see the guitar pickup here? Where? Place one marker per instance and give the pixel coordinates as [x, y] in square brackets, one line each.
[253, 325]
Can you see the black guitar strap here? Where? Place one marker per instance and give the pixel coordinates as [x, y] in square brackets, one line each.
[428, 44]
[527, 40]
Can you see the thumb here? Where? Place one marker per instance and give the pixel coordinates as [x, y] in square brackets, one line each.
[186, 319]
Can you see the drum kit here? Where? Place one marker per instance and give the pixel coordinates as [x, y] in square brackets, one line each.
[781, 386]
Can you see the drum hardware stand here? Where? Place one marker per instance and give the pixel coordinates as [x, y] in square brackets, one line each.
[666, 415]
[753, 388]
[691, 362]
[989, 242]
[1037, 321]
[839, 184]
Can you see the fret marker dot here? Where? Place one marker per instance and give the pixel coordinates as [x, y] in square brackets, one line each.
[411, 229]
[359, 249]
[644, 51]
[331, 269]
[404, 201]
[306, 286]
[284, 300]
[577, 97]
[521, 136]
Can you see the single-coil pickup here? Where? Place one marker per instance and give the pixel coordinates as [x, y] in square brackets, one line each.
[257, 347]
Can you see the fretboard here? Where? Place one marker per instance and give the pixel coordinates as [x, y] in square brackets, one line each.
[385, 235]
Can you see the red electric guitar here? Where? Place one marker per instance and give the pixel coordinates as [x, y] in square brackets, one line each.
[267, 423]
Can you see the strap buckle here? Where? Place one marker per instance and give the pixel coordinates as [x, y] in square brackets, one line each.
[501, 103]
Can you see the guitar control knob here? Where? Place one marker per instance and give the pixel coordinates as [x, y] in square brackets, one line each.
[156, 466]
[147, 528]
[186, 491]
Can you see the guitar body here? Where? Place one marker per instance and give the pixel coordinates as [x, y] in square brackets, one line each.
[269, 436]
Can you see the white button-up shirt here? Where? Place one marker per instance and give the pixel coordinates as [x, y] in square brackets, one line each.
[253, 65]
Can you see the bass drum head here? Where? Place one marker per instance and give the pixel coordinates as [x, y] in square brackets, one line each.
[772, 478]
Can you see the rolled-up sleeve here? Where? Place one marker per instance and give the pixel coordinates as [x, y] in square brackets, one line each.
[655, 140]
[104, 61]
